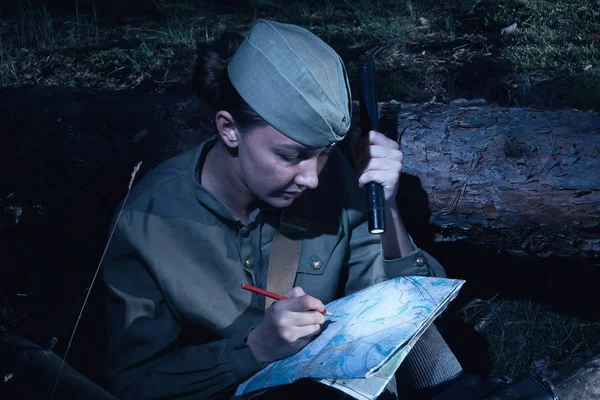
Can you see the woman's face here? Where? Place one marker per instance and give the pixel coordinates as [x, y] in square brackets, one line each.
[277, 169]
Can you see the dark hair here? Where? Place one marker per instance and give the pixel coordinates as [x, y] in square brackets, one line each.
[212, 84]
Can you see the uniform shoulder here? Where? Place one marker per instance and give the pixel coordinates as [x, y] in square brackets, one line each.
[164, 183]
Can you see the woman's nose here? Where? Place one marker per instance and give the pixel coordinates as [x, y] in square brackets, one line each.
[309, 174]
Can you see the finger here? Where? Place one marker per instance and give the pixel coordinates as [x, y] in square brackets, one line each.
[378, 152]
[364, 148]
[375, 138]
[285, 321]
[380, 164]
[301, 333]
[308, 331]
[379, 139]
[386, 179]
[306, 303]
[296, 291]
[286, 312]
[311, 303]
[381, 171]
[302, 318]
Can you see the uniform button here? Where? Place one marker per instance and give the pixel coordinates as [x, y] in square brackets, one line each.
[248, 264]
[244, 231]
[316, 264]
[420, 261]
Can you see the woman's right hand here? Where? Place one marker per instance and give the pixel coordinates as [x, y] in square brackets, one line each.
[288, 326]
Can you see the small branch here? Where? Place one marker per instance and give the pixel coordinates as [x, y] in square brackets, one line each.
[474, 162]
[135, 170]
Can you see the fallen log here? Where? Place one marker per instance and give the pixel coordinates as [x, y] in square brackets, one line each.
[526, 181]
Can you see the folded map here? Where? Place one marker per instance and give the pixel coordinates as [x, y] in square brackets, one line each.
[368, 337]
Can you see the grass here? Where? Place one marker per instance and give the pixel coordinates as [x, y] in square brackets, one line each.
[84, 49]
[419, 47]
[559, 35]
[527, 337]
[80, 51]
[554, 38]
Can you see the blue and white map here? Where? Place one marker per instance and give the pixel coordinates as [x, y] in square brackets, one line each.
[371, 332]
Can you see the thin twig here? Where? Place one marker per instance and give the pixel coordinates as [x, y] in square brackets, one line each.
[521, 346]
[568, 335]
[545, 165]
[474, 161]
[135, 170]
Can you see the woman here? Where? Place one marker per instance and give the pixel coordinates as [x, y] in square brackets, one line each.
[204, 222]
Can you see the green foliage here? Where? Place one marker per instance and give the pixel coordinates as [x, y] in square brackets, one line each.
[366, 9]
[399, 84]
[34, 28]
[552, 35]
[8, 74]
[361, 26]
[529, 337]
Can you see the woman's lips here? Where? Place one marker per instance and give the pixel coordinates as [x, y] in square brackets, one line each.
[291, 195]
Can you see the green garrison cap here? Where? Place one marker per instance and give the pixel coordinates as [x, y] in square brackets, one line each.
[294, 81]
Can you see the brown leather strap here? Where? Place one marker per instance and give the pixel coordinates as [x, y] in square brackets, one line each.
[283, 261]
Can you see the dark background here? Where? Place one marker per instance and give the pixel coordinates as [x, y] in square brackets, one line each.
[68, 190]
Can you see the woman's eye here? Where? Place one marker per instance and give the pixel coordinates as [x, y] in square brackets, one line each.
[289, 159]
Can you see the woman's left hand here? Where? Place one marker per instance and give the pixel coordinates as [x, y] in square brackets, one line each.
[378, 159]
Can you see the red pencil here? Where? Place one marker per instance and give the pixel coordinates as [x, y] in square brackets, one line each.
[272, 295]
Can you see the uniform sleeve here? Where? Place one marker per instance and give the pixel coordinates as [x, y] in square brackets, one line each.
[146, 358]
[366, 264]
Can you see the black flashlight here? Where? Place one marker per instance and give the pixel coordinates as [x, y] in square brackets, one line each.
[369, 120]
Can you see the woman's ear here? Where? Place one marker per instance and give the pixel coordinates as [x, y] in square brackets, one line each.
[227, 129]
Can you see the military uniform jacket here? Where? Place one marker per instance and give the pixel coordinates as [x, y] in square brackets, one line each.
[177, 316]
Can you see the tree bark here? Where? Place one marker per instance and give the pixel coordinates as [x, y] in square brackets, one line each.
[526, 181]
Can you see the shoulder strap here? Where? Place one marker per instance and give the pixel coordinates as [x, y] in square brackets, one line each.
[285, 254]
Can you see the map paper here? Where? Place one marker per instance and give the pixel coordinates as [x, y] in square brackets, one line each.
[370, 334]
